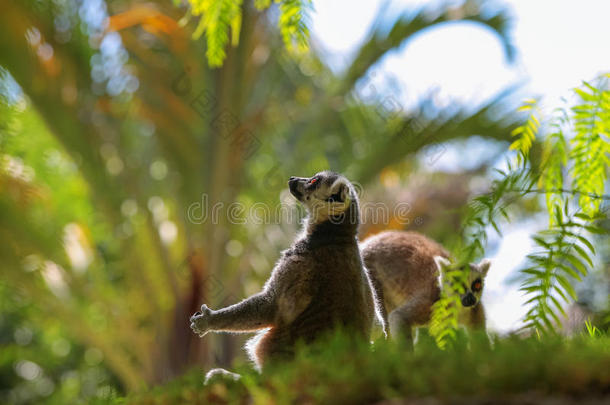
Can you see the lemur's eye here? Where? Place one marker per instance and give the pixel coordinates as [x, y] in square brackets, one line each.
[477, 285]
[313, 181]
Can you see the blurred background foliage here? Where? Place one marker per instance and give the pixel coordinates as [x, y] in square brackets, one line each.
[117, 140]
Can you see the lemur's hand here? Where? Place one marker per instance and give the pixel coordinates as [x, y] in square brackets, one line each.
[200, 321]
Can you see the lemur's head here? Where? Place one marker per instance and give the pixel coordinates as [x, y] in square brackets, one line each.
[473, 284]
[327, 196]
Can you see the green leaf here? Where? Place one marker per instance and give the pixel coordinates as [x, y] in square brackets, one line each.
[595, 229]
[534, 272]
[578, 265]
[293, 14]
[262, 4]
[583, 254]
[567, 287]
[558, 305]
[586, 242]
[570, 271]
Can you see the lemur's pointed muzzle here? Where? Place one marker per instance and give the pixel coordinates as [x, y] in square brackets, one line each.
[294, 186]
[469, 300]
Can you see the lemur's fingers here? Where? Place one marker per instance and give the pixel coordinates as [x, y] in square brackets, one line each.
[198, 329]
[205, 310]
[200, 321]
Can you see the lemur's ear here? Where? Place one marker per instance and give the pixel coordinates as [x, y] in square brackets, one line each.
[484, 266]
[441, 263]
[339, 191]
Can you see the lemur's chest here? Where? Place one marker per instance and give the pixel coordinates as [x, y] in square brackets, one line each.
[471, 316]
[327, 268]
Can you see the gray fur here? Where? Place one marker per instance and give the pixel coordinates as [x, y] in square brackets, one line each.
[220, 374]
[317, 285]
[407, 268]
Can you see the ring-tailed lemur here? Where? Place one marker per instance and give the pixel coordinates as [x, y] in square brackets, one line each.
[317, 285]
[405, 269]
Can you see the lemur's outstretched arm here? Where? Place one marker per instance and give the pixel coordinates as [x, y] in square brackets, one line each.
[252, 314]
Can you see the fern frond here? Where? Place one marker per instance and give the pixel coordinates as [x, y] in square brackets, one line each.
[443, 322]
[526, 133]
[547, 281]
[294, 15]
[590, 145]
[554, 160]
[217, 17]
[563, 255]
[483, 211]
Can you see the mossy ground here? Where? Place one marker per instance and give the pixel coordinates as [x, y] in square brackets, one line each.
[512, 370]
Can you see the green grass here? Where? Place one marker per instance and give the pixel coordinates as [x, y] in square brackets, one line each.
[339, 372]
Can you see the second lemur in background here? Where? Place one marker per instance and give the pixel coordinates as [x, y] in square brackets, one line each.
[406, 269]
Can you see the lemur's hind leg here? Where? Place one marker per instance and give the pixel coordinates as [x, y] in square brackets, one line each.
[220, 373]
[403, 319]
[400, 328]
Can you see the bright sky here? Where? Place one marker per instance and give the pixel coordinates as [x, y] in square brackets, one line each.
[559, 43]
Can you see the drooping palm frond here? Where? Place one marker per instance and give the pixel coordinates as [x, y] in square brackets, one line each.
[30, 70]
[413, 134]
[410, 24]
